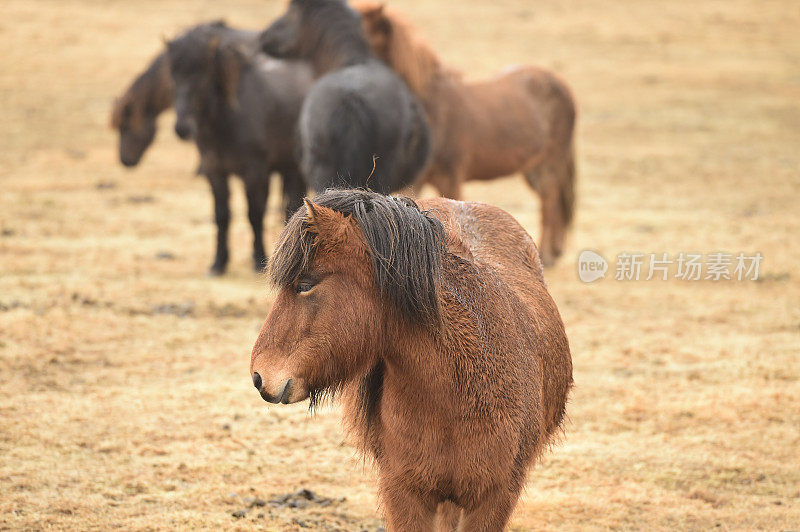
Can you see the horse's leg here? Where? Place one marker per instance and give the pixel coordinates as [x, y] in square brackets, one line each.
[492, 512]
[257, 189]
[222, 215]
[447, 183]
[406, 511]
[448, 516]
[294, 190]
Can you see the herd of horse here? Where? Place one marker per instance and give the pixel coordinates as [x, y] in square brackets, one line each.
[243, 108]
[430, 320]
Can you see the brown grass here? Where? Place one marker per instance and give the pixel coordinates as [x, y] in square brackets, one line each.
[125, 398]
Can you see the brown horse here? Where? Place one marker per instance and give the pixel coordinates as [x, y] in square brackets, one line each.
[519, 121]
[437, 330]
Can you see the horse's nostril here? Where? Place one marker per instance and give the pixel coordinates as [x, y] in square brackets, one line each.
[257, 381]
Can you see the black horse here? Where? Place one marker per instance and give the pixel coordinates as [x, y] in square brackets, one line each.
[357, 110]
[241, 108]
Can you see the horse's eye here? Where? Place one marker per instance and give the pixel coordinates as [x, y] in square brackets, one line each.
[305, 284]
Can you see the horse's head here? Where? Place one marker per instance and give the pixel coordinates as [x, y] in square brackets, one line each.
[326, 319]
[320, 31]
[136, 126]
[352, 268]
[203, 68]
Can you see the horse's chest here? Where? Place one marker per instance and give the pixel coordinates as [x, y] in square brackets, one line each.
[440, 452]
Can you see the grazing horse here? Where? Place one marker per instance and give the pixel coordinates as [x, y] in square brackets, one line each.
[519, 121]
[359, 116]
[241, 108]
[437, 329]
[135, 112]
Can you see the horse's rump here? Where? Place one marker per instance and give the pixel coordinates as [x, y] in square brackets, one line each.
[354, 114]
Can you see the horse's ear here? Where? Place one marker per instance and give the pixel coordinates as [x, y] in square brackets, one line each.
[228, 61]
[311, 214]
[325, 222]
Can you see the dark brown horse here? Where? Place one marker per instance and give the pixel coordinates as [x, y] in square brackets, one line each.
[241, 109]
[437, 330]
[519, 121]
[358, 116]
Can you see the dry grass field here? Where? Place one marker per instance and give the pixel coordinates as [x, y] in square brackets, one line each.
[125, 397]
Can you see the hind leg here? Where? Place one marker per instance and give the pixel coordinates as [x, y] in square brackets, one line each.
[448, 516]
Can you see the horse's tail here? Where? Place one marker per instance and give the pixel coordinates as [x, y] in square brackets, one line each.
[567, 186]
[417, 145]
[554, 95]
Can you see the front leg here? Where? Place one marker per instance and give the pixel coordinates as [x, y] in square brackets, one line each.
[491, 513]
[406, 511]
[257, 190]
[447, 182]
[222, 216]
[448, 516]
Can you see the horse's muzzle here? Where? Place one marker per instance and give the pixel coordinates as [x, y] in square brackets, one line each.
[281, 396]
[184, 130]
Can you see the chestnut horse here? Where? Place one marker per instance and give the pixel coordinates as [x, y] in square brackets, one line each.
[437, 330]
[519, 121]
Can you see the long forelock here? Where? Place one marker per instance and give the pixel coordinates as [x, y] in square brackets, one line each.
[406, 246]
[294, 251]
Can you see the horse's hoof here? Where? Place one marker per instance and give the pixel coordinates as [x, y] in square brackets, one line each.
[216, 271]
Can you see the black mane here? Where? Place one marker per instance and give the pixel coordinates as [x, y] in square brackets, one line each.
[406, 246]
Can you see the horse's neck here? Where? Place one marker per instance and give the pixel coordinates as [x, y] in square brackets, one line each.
[414, 368]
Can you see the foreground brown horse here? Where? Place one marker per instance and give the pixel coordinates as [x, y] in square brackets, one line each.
[438, 331]
[519, 121]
